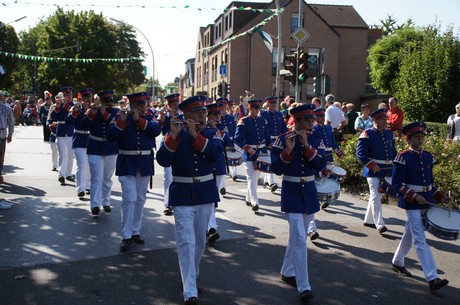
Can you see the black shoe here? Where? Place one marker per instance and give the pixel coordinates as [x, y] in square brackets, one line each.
[107, 208]
[81, 194]
[223, 191]
[248, 203]
[437, 284]
[70, 178]
[137, 239]
[95, 210]
[213, 236]
[191, 301]
[125, 243]
[168, 211]
[273, 187]
[87, 192]
[383, 230]
[401, 270]
[306, 295]
[370, 225]
[234, 178]
[313, 235]
[290, 280]
[54, 169]
[266, 185]
[61, 179]
[324, 205]
[255, 207]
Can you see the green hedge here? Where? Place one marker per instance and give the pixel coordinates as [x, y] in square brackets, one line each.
[446, 170]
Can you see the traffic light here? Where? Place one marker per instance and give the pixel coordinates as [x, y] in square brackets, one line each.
[317, 85]
[303, 67]
[327, 84]
[228, 90]
[289, 71]
[219, 89]
[224, 89]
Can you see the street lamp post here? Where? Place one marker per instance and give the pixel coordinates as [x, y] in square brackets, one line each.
[16, 20]
[151, 50]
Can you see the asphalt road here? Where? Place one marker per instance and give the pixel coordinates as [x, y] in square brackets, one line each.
[52, 251]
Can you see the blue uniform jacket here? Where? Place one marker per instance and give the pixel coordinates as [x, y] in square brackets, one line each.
[413, 175]
[80, 135]
[98, 127]
[325, 132]
[252, 133]
[191, 158]
[298, 197]
[375, 147]
[59, 114]
[221, 165]
[275, 123]
[165, 125]
[138, 138]
[228, 124]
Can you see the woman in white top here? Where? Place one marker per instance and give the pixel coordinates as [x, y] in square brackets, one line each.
[364, 121]
[454, 125]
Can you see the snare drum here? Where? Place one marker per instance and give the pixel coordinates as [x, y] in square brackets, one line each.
[328, 190]
[263, 164]
[386, 188]
[442, 223]
[234, 158]
[337, 173]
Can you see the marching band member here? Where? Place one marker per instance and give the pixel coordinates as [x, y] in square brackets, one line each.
[80, 140]
[276, 127]
[376, 151]
[135, 133]
[228, 123]
[326, 133]
[64, 133]
[172, 109]
[413, 180]
[252, 138]
[295, 156]
[191, 150]
[102, 154]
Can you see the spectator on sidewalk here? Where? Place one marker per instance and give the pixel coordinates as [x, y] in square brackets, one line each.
[364, 121]
[334, 116]
[454, 125]
[395, 116]
[6, 134]
[351, 116]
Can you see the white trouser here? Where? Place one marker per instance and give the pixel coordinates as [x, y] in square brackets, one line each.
[64, 145]
[134, 194]
[252, 176]
[220, 181]
[233, 171]
[102, 169]
[374, 213]
[295, 262]
[167, 180]
[268, 177]
[312, 225]
[191, 223]
[54, 154]
[212, 218]
[82, 172]
[414, 232]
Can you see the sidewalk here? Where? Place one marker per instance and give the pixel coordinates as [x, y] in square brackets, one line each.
[52, 251]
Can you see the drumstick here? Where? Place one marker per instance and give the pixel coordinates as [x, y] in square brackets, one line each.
[450, 203]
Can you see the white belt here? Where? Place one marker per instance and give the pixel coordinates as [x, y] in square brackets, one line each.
[257, 146]
[273, 137]
[97, 138]
[419, 188]
[299, 179]
[135, 152]
[60, 122]
[383, 161]
[328, 149]
[193, 179]
[81, 131]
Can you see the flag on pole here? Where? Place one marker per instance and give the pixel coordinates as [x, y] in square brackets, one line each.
[2, 70]
[267, 38]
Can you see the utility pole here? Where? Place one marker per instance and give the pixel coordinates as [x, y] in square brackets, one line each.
[278, 59]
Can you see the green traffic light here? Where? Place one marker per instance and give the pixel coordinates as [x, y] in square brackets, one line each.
[302, 77]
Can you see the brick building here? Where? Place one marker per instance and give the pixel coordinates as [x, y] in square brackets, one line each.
[337, 29]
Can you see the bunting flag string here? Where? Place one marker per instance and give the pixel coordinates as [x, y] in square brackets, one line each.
[250, 31]
[233, 8]
[83, 60]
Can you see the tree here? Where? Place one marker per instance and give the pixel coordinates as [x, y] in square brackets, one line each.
[389, 26]
[9, 42]
[59, 35]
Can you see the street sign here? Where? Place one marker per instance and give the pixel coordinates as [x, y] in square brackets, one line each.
[223, 69]
[300, 35]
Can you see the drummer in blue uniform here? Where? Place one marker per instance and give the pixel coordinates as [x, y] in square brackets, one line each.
[327, 134]
[172, 109]
[376, 151]
[252, 138]
[80, 140]
[229, 123]
[295, 155]
[413, 180]
[102, 154]
[276, 127]
[135, 133]
[191, 149]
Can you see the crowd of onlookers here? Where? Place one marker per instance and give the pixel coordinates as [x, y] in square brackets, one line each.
[25, 110]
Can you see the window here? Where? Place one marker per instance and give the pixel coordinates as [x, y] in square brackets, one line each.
[275, 58]
[226, 23]
[230, 16]
[295, 21]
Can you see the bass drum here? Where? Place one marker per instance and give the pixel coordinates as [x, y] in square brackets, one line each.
[442, 222]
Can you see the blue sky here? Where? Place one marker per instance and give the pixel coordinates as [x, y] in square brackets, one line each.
[173, 32]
